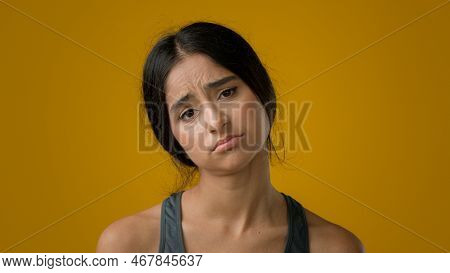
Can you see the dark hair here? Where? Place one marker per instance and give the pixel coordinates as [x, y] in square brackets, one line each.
[226, 48]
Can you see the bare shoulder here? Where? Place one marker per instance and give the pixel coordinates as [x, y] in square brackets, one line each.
[133, 233]
[325, 236]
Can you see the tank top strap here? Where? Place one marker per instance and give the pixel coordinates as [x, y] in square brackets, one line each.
[298, 239]
[171, 237]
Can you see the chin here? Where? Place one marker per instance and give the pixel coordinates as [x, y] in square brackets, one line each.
[230, 161]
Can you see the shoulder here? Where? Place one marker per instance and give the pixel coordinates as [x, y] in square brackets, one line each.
[132, 233]
[325, 236]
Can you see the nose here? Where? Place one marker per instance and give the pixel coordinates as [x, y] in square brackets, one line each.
[214, 118]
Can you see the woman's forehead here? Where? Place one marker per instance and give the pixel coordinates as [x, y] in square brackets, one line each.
[192, 73]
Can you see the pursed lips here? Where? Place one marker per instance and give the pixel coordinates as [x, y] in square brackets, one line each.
[225, 140]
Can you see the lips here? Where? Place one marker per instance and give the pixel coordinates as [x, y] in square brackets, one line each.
[225, 140]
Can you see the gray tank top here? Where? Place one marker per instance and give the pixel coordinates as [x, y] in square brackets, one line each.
[171, 236]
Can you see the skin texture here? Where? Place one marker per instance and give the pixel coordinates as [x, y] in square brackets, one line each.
[234, 198]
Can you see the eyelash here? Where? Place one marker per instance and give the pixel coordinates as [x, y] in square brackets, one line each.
[232, 89]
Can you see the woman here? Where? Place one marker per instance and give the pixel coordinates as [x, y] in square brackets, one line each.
[211, 105]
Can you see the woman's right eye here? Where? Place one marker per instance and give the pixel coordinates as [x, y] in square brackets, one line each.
[187, 112]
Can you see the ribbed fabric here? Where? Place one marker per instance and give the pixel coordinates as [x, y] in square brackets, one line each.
[171, 236]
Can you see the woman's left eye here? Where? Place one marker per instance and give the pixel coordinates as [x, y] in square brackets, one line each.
[228, 92]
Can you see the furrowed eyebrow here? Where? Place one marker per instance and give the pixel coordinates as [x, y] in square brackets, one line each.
[180, 102]
[220, 82]
[207, 86]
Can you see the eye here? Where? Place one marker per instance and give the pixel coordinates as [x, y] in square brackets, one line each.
[228, 92]
[187, 113]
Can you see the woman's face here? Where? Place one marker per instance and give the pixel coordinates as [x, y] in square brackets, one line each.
[213, 110]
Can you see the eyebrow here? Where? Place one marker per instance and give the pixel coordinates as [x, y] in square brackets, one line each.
[208, 86]
[219, 82]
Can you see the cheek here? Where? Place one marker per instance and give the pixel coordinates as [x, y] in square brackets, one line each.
[184, 139]
[181, 135]
[255, 123]
[187, 138]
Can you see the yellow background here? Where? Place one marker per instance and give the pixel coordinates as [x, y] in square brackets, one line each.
[376, 72]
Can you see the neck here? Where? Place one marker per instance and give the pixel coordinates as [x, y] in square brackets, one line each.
[240, 200]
